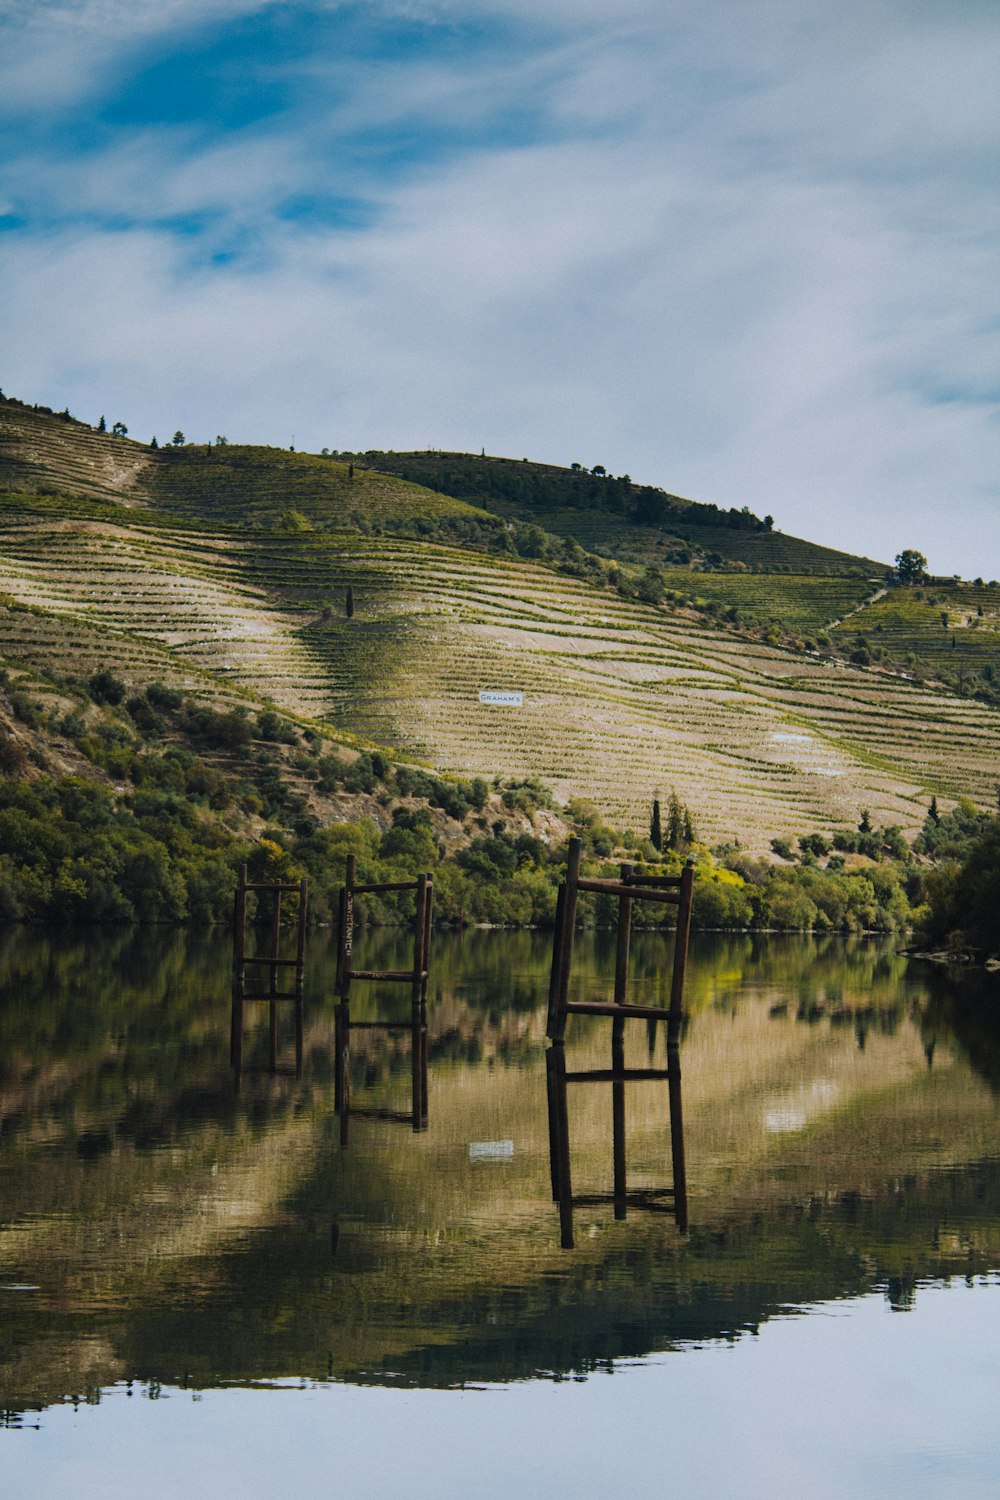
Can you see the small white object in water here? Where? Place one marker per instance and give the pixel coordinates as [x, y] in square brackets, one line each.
[491, 1150]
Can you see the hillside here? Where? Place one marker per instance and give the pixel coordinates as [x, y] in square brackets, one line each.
[617, 518]
[232, 566]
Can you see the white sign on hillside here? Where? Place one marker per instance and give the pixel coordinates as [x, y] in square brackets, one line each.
[506, 700]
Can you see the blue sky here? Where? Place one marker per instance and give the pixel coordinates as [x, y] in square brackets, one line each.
[748, 253]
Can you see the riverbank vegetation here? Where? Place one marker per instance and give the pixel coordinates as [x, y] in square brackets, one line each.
[128, 803]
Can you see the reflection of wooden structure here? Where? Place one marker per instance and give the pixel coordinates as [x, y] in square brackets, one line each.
[632, 886]
[415, 977]
[417, 1113]
[271, 956]
[671, 1199]
[670, 890]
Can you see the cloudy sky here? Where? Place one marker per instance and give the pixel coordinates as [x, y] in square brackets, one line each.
[747, 252]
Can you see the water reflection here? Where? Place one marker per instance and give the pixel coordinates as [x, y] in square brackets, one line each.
[379, 1044]
[558, 1080]
[160, 1224]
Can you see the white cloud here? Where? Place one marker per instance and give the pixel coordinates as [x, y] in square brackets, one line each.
[749, 258]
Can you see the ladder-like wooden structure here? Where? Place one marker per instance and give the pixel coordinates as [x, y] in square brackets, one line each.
[671, 1199]
[415, 977]
[670, 890]
[273, 958]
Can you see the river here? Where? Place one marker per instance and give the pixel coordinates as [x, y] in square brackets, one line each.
[227, 1286]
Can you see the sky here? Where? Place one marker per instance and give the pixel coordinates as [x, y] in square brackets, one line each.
[745, 252]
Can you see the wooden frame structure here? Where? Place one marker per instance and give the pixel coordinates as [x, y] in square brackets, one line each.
[558, 1079]
[416, 977]
[274, 959]
[671, 890]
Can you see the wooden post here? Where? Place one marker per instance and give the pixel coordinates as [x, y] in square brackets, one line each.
[428, 923]
[419, 943]
[239, 953]
[622, 949]
[681, 941]
[563, 958]
[550, 1023]
[346, 938]
[618, 1123]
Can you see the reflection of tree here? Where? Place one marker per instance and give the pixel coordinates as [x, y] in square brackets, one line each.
[963, 1007]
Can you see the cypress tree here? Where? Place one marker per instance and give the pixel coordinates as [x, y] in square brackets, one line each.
[349, 603]
[675, 822]
[655, 826]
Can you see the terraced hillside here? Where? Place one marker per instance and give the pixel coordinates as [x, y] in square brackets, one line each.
[948, 627]
[233, 563]
[620, 700]
[42, 449]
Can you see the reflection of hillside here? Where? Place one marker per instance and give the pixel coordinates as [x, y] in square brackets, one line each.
[172, 1227]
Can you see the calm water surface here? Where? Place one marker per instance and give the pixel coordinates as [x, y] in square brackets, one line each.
[220, 1286]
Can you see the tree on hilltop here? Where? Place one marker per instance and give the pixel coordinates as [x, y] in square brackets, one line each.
[911, 565]
[178, 439]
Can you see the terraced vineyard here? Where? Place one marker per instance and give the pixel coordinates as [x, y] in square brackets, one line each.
[951, 628]
[236, 573]
[620, 700]
[800, 603]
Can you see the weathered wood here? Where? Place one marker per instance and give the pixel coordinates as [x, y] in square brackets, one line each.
[633, 892]
[564, 938]
[623, 944]
[681, 939]
[631, 887]
[272, 885]
[387, 885]
[556, 967]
